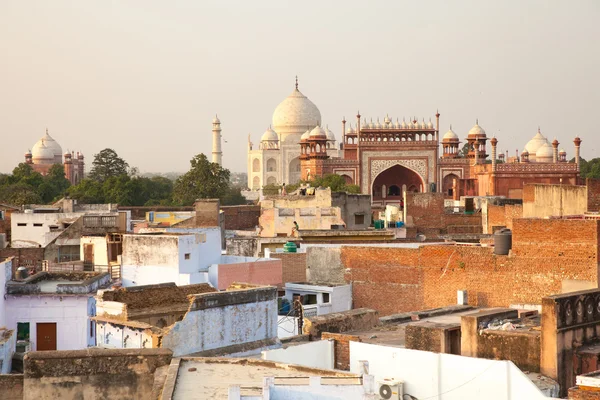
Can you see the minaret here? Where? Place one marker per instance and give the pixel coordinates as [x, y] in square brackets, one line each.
[577, 142]
[217, 154]
[555, 151]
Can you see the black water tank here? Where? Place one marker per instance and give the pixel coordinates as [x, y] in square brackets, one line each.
[22, 273]
[502, 242]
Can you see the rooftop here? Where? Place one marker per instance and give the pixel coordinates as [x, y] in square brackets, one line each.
[210, 378]
[52, 283]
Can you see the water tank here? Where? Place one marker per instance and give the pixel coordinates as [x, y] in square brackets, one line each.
[22, 273]
[289, 247]
[502, 242]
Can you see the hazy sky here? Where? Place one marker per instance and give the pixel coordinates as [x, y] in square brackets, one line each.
[146, 77]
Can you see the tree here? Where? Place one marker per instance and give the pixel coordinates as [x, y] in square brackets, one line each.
[233, 197]
[107, 164]
[464, 151]
[88, 191]
[19, 194]
[204, 180]
[54, 185]
[335, 182]
[24, 173]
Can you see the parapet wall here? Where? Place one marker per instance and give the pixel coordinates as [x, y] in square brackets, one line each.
[92, 373]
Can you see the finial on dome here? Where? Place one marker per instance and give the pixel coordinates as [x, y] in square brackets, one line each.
[476, 121]
[296, 82]
[46, 131]
[539, 129]
[450, 126]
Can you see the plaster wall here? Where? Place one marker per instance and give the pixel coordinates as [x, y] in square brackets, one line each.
[444, 376]
[221, 326]
[116, 336]
[287, 326]
[34, 236]
[317, 354]
[100, 249]
[257, 271]
[70, 313]
[5, 276]
[8, 342]
[324, 264]
[340, 297]
[541, 201]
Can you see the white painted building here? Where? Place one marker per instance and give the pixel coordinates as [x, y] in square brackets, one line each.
[276, 160]
[320, 299]
[33, 229]
[53, 313]
[183, 258]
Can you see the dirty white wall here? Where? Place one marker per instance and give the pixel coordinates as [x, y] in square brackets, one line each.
[7, 349]
[287, 326]
[444, 376]
[317, 354]
[114, 336]
[222, 326]
[31, 235]
[5, 276]
[555, 200]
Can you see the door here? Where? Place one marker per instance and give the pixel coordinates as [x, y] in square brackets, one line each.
[88, 256]
[46, 336]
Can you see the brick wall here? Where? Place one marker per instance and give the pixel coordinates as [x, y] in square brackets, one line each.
[341, 348]
[24, 256]
[293, 266]
[424, 336]
[593, 193]
[241, 217]
[546, 252]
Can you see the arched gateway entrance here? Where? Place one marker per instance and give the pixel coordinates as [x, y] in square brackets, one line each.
[390, 183]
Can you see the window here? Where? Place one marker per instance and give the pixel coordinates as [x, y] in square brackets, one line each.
[325, 297]
[53, 228]
[187, 256]
[21, 224]
[1, 215]
[91, 329]
[22, 330]
[310, 299]
[359, 219]
[38, 224]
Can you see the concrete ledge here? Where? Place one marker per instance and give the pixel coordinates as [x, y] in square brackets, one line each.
[221, 299]
[434, 312]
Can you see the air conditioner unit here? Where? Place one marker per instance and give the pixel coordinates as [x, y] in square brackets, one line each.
[390, 389]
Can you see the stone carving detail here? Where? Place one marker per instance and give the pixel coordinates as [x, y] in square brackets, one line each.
[419, 166]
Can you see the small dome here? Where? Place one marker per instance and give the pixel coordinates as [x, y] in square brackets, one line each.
[430, 124]
[371, 125]
[536, 142]
[403, 124]
[48, 143]
[423, 124]
[450, 136]
[524, 152]
[545, 152]
[378, 124]
[28, 153]
[562, 151]
[216, 120]
[477, 131]
[349, 130]
[397, 124]
[305, 135]
[330, 135]
[387, 119]
[318, 133]
[269, 136]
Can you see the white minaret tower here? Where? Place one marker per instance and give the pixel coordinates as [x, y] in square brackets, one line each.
[217, 154]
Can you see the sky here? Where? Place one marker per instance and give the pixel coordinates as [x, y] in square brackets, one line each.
[145, 78]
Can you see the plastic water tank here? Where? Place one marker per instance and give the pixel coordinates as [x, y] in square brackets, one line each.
[289, 247]
[22, 273]
[502, 242]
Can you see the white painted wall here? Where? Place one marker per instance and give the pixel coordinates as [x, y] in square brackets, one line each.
[444, 376]
[317, 354]
[5, 276]
[69, 312]
[219, 327]
[121, 337]
[287, 326]
[210, 249]
[31, 235]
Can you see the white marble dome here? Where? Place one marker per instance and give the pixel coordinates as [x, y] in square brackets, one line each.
[269, 136]
[295, 113]
[544, 153]
[450, 136]
[476, 131]
[305, 135]
[46, 146]
[330, 134]
[536, 142]
[318, 133]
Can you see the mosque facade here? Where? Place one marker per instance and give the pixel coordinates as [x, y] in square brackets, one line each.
[46, 152]
[386, 157]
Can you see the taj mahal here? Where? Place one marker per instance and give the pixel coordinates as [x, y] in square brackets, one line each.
[386, 156]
